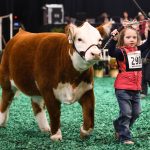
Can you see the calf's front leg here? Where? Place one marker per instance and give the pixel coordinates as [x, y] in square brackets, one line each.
[87, 102]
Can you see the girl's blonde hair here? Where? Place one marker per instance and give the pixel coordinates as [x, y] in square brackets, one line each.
[120, 42]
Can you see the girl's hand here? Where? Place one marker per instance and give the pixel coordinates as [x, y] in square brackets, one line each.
[115, 34]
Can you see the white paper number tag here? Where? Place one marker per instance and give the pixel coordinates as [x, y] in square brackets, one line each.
[134, 60]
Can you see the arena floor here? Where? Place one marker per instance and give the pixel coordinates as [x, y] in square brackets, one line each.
[22, 132]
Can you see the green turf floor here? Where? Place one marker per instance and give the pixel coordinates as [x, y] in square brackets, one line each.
[22, 132]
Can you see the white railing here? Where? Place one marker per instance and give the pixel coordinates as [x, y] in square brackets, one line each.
[10, 16]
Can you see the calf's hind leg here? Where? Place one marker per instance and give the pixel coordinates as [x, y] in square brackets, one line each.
[8, 93]
[7, 96]
[39, 112]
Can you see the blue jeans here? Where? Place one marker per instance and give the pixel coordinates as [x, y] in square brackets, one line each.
[130, 108]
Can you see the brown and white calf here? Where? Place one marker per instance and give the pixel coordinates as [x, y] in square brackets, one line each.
[52, 68]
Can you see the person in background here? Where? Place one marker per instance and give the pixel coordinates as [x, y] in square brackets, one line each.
[125, 17]
[116, 23]
[143, 30]
[103, 18]
[145, 72]
[128, 81]
[142, 25]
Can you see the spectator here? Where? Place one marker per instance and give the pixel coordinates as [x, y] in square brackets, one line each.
[103, 18]
[116, 23]
[143, 29]
[145, 73]
[142, 25]
[125, 17]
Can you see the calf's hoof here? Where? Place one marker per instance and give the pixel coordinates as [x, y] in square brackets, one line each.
[45, 129]
[85, 133]
[57, 136]
[3, 119]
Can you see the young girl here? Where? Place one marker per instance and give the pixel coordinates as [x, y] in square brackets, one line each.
[128, 82]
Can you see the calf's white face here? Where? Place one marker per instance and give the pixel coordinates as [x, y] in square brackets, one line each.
[86, 39]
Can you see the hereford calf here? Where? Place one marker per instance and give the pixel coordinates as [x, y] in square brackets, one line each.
[52, 68]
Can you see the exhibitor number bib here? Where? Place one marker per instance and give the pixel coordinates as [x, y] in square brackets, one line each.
[134, 60]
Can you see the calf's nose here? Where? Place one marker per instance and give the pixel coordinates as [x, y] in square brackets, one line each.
[96, 55]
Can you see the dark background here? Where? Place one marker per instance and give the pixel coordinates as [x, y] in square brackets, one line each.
[30, 12]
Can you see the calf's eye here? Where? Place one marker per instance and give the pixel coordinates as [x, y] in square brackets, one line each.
[79, 39]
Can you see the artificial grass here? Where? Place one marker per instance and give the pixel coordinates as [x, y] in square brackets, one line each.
[22, 131]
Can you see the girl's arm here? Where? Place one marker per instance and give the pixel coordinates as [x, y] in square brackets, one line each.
[112, 50]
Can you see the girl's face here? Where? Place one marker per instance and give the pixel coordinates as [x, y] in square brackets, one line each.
[130, 38]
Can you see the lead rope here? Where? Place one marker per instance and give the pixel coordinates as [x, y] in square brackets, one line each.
[119, 29]
[138, 6]
[111, 37]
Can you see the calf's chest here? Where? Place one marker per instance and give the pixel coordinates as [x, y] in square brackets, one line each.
[67, 93]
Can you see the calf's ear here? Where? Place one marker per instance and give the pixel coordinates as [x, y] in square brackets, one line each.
[70, 31]
[104, 29]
